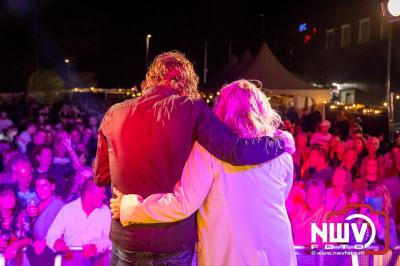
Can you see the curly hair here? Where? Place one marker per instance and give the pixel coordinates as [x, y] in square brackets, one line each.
[174, 70]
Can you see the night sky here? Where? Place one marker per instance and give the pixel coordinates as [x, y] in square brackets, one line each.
[108, 38]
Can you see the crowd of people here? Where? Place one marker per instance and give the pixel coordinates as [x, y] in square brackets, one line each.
[46, 176]
[48, 200]
[336, 163]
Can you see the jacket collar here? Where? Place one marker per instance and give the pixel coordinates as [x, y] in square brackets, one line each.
[161, 90]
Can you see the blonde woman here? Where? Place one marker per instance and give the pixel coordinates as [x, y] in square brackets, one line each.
[242, 218]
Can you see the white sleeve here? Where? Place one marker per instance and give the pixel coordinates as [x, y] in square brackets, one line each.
[189, 194]
[57, 228]
[289, 175]
[103, 243]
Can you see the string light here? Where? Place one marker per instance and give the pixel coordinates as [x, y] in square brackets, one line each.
[133, 92]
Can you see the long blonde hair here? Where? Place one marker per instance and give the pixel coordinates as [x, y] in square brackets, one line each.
[173, 69]
[245, 108]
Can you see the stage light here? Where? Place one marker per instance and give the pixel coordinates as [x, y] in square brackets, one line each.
[394, 7]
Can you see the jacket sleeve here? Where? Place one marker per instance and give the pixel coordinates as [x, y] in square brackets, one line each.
[221, 142]
[189, 194]
[101, 166]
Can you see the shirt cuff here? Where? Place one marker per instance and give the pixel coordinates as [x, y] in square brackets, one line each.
[128, 202]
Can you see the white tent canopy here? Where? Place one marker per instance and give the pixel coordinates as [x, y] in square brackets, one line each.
[266, 68]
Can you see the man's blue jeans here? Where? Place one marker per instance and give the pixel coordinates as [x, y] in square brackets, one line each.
[121, 257]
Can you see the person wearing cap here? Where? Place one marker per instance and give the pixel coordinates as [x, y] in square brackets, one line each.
[322, 137]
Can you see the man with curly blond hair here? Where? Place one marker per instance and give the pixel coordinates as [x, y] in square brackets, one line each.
[144, 144]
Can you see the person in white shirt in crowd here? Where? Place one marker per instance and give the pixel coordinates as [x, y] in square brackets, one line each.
[85, 222]
[242, 218]
[5, 122]
[322, 137]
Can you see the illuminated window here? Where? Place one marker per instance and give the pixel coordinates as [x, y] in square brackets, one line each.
[330, 39]
[363, 32]
[346, 36]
